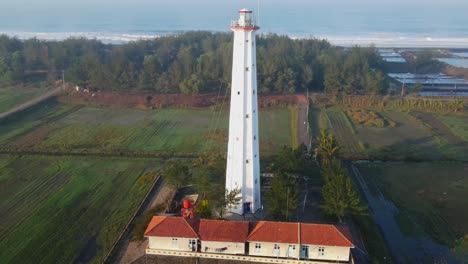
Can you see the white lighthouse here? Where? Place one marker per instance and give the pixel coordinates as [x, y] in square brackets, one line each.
[243, 166]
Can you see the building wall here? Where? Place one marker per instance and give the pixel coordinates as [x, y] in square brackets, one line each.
[231, 247]
[182, 244]
[328, 253]
[268, 250]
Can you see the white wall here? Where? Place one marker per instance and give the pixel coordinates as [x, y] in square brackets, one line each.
[166, 243]
[232, 248]
[268, 250]
[329, 253]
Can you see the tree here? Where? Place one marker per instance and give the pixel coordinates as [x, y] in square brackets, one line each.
[192, 85]
[418, 87]
[231, 200]
[340, 199]
[290, 160]
[283, 198]
[175, 174]
[327, 147]
[333, 168]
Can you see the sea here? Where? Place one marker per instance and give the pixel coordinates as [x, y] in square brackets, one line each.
[383, 23]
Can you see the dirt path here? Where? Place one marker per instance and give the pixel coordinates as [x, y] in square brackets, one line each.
[303, 122]
[30, 103]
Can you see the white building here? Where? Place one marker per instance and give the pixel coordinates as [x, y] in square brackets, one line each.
[226, 237]
[255, 241]
[243, 168]
[172, 233]
[325, 242]
[274, 239]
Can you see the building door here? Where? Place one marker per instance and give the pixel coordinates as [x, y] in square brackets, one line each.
[276, 250]
[247, 208]
[192, 244]
[305, 252]
[291, 251]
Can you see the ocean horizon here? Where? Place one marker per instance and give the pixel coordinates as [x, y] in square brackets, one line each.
[387, 24]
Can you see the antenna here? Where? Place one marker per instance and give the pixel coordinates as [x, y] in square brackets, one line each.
[258, 13]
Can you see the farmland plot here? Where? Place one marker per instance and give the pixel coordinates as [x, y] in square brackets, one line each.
[344, 133]
[12, 96]
[458, 124]
[407, 140]
[88, 129]
[430, 198]
[64, 209]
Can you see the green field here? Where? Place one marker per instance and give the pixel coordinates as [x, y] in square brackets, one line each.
[60, 209]
[92, 129]
[432, 198]
[11, 96]
[434, 137]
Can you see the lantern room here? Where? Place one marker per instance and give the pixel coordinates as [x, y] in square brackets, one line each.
[245, 21]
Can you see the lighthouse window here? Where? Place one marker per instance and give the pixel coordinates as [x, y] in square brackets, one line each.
[253, 91]
[246, 68]
[247, 161]
[238, 93]
[254, 111]
[247, 40]
[255, 137]
[247, 116]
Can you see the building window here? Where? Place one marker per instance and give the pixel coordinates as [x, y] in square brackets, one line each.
[321, 251]
[258, 247]
[174, 242]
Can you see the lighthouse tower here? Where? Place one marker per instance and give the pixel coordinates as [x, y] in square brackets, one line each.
[243, 166]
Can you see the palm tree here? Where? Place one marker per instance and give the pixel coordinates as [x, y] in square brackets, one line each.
[327, 147]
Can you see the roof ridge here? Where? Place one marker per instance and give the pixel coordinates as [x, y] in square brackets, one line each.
[190, 226]
[343, 235]
[255, 230]
[164, 219]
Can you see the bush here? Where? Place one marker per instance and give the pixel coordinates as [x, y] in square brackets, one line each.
[369, 118]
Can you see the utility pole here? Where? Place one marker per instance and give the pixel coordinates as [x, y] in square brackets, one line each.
[63, 79]
[287, 206]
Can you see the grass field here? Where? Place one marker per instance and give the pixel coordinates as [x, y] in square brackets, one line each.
[412, 136]
[12, 96]
[82, 129]
[431, 197]
[58, 210]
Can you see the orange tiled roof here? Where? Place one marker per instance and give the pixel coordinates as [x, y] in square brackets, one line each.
[275, 232]
[164, 226]
[326, 235]
[223, 231]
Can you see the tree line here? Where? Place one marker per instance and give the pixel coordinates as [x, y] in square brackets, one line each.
[194, 62]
